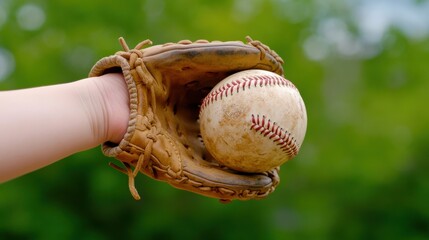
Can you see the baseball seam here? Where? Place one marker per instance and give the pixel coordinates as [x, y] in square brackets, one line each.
[242, 84]
[278, 135]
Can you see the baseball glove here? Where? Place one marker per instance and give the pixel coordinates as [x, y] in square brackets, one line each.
[166, 85]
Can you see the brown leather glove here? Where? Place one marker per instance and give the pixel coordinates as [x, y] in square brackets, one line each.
[166, 84]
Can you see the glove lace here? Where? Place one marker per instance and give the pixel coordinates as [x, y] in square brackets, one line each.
[139, 71]
[264, 49]
[142, 163]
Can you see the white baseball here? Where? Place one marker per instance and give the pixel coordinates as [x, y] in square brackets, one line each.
[253, 121]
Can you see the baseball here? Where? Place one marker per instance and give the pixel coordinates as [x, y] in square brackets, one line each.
[253, 121]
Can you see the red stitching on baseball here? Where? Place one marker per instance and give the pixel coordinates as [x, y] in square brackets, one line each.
[244, 83]
[278, 135]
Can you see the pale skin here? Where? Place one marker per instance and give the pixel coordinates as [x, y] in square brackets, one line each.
[39, 126]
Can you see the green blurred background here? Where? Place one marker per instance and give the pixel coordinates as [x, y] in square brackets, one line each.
[361, 67]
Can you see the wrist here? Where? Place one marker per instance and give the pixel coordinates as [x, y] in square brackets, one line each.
[116, 104]
[107, 106]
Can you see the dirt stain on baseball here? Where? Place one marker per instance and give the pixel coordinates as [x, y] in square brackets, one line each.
[232, 114]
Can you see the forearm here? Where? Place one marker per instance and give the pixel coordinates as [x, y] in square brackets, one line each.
[39, 126]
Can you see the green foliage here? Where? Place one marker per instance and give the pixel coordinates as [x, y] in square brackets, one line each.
[362, 170]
